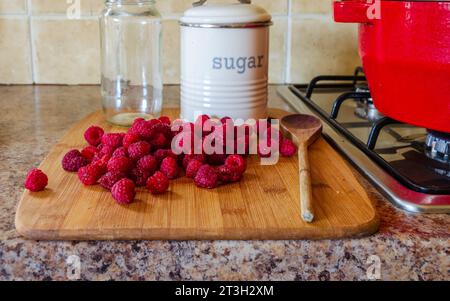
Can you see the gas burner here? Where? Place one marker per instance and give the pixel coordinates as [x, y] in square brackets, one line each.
[409, 167]
[365, 109]
[438, 146]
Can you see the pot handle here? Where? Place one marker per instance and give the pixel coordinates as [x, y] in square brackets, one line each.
[201, 2]
[350, 11]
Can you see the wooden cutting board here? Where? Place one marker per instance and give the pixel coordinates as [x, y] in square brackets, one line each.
[264, 205]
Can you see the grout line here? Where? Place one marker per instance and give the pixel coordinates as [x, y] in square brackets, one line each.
[31, 41]
[288, 53]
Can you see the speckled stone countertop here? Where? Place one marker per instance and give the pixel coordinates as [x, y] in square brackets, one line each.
[409, 247]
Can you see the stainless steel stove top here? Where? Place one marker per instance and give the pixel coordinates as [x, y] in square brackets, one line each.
[400, 159]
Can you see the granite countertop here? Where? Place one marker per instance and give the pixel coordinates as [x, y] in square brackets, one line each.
[34, 118]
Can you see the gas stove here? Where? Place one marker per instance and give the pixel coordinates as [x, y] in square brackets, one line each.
[409, 165]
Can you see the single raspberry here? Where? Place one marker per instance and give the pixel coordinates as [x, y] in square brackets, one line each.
[89, 152]
[124, 191]
[169, 167]
[139, 149]
[108, 180]
[158, 183]
[90, 174]
[216, 159]
[165, 120]
[238, 162]
[134, 129]
[206, 177]
[148, 163]
[162, 128]
[129, 139]
[104, 150]
[192, 168]
[145, 129]
[189, 158]
[161, 154]
[93, 135]
[102, 163]
[139, 176]
[36, 180]
[113, 140]
[159, 141]
[287, 148]
[120, 164]
[120, 152]
[73, 161]
[228, 174]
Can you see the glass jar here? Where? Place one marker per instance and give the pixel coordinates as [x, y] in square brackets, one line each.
[131, 69]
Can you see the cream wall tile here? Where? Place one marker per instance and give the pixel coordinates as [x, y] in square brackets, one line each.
[322, 47]
[13, 7]
[179, 6]
[88, 7]
[312, 6]
[171, 51]
[67, 51]
[277, 63]
[15, 61]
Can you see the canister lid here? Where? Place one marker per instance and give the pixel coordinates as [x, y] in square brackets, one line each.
[226, 15]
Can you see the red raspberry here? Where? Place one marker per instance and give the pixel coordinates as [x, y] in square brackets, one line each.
[287, 148]
[139, 149]
[190, 157]
[73, 161]
[90, 174]
[104, 150]
[148, 163]
[237, 162]
[206, 177]
[139, 176]
[145, 129]
[108, 180]
[93, 135]
[124, 191]
[158, 183]
[129, 139]
[102, 163]
[192, 168]
[89, 152]
[120, 152]
[113, 140]
[120, 164]
[36, 180]
[216, 159]
[161, 154]
[161, 128]
[159, 141]
[169, 167]
[165, 120]
[228, 174]
[135, 126]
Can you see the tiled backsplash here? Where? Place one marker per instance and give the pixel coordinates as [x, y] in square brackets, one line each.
[39, 44]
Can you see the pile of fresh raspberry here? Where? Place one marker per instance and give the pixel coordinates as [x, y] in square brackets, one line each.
[153, 152]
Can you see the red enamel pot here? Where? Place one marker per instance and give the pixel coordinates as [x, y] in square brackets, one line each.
[405, 50]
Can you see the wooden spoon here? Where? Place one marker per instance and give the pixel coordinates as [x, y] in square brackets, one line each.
[305, 129]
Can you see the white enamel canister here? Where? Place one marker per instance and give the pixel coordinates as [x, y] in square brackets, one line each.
[224, 61]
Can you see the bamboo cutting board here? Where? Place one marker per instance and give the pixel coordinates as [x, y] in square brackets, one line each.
[264, 205]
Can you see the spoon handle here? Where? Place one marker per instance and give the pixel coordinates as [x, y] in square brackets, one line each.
[305, 184]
